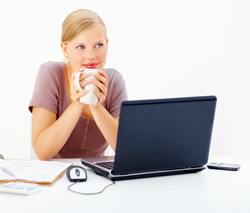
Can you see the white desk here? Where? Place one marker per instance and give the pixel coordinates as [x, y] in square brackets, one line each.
[207, 191]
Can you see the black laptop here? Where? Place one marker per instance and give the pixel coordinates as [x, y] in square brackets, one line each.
[159, 137]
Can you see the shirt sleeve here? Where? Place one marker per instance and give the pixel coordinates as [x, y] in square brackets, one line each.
[118, 94]
[45, 93]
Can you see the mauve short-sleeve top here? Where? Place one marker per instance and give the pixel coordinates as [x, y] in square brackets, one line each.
[86, 140]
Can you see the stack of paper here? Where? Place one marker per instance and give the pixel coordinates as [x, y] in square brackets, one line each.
[41, 172]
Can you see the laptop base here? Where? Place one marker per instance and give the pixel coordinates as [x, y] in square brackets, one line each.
[109, 175]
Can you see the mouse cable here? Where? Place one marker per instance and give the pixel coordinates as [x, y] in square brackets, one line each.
[93, 193]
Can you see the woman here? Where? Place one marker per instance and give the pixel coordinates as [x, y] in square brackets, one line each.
[63, 127]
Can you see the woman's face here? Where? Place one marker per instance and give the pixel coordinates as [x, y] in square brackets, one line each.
[88, 50]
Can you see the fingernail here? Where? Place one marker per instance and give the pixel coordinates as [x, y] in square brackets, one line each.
[87, 74]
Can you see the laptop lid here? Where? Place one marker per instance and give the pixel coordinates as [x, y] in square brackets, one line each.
[159, 135]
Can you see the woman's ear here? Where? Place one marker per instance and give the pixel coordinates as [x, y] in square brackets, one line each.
[107, 42]
[64, 50]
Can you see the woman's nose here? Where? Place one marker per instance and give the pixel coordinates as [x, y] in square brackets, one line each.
[90, 54]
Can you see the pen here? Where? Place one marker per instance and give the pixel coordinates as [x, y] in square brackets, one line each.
[7, 171]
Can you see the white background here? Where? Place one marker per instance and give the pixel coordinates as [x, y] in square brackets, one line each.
[162, 48]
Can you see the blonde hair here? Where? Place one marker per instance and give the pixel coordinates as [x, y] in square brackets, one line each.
[78, 22]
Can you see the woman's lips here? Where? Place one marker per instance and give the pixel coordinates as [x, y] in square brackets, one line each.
[91, 65]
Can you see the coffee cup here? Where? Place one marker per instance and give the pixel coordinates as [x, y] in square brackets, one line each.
[90, 97]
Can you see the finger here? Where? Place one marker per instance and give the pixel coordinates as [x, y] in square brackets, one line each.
[104, 74]
[102, 77]
[81, 94]
[81, 77]
[101, 86]
[102, 81]
[84, 83]
[78, 95]
[100, 95]
[84, 76]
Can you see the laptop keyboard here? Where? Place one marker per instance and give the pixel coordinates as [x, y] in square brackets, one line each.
[107, 165]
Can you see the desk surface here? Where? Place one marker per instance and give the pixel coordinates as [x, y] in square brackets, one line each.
[206, 191]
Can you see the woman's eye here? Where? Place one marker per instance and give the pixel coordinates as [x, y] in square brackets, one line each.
[80, 47]
[99, 45]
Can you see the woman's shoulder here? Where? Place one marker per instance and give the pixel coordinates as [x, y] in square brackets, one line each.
[51, 69]
[52, 66]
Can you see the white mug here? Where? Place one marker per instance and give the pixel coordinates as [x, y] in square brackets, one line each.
[90, 97]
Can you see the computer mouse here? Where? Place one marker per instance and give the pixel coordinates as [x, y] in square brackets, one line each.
[76, 174]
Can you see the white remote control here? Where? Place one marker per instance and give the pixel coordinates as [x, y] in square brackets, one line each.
[20, 188]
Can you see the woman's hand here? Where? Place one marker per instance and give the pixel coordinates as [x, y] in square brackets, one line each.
[101, 82]
[74, 93]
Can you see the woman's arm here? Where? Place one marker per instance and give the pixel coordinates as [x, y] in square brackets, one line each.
[107, 124]
[48, 134]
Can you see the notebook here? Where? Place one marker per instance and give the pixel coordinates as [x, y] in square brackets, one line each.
[32, 171]
[160, 137]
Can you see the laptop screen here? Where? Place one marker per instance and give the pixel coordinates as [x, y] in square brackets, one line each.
[164, 134]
